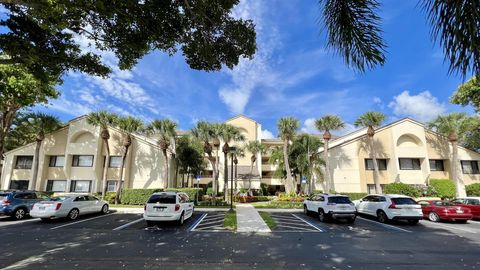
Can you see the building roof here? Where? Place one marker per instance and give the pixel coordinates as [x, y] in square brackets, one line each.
[241, 116]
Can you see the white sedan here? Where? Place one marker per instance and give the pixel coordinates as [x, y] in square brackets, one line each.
[69, 206]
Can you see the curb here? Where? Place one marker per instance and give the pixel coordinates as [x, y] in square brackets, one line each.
[277, 210]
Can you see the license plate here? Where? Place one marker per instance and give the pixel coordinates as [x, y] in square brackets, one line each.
[459, 211]
[41, 208]
[159, 209]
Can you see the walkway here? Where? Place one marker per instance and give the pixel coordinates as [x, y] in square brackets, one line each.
[248, 219]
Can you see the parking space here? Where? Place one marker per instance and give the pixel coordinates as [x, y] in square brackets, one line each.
[287, 222]
[210, 222]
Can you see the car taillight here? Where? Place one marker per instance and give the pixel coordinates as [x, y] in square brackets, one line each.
[177, 207]
[393, 206]
[58, 206]
[6, 202]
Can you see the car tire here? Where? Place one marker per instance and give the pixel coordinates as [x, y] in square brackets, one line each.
[382, 217]
[433, 217]
[104, 209]
[305, 210]
[45, 219]
[181, 220]
[322, 217]
[351, 220]
[413, 221]
[149, 223]
[19, 214]
[462, 221]
[73, 214]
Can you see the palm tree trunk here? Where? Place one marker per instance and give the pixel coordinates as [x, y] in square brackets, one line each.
[119, 183]
[183, 180]
[165, 172]
[217, 172]
[250, 178]
[328, 180]
[6, 122]
[225, 176]
[105, 169]
[33, 184]
[456, 176]
[289, 183]
[236, 180]
[376, 180]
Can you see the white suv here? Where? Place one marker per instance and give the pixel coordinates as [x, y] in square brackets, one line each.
[390, 207]
[329, 206]
[168, 206]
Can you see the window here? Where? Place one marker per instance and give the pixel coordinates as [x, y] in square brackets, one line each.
[81, 199]
[163, 199]
[424, 203]
[403, 201]
[42, 196]
[339, 200]
[57, 161]
[24, 162]
[115, 162]
[19, 184]
[436, 165]
[382, 164]
[57, 185]
[183, 198]
[92, 198]
[470, 166]
[25, 196]
[80, 186]
[82, 161]
[112, 185]
[473, 202]
[409, 163]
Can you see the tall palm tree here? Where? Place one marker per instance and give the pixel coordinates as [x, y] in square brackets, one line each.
[453, 126]
[40, 124]
[128, 125]
[166, 130]
[238, 153]
[103, 119]
[372, 120]
[203, 132]
[287, 128]
[216, 130]
[326, 124]
[254, 147]
[228, 133]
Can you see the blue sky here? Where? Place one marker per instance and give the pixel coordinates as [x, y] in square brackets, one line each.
[292, 74]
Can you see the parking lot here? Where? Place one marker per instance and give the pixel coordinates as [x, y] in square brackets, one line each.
[123, 241]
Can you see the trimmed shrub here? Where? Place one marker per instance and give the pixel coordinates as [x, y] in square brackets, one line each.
[109, 197]
[473, 189]
[195, 194]
[137, 196]
[355, 195]
[248, 199]
[443, 188]
[264, 188]
[401, 188]
[209, 191]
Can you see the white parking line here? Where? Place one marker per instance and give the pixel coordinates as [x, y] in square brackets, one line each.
[299, 223]
[128, 224]
[313, 226]
[198, 222]
[384, 225]
[296, 228]
[73, 223]
[208, 222]
[450, 227]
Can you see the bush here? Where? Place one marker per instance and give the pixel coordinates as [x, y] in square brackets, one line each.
[401, 188]
[137, 196]
[110, 197]
[195, 194]
[209, 191]
[473, 189]
[443, 188]
[290, 197]
[248, 199]
[264, 188]
[213, 203]
[355, 195]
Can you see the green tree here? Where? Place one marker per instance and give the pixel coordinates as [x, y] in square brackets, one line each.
[228, 133]
[453, 126]
[238, 153]
[19, 89]
[326, 124]
[46, 35]
[128, 125]
[165, 129]
[203, 131]
[190, 157]
[371, 121]
[354, 31]
[254, 148]
[287, 128]
[468, 94]
[104, 120]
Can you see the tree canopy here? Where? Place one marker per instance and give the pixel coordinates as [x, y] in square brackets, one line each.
[468, 94]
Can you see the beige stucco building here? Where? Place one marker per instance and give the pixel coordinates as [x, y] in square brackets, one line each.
[72, 159]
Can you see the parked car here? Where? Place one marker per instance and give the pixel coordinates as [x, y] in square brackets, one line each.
[70, 206]
[18, 204]
[168, 206]
[472, 203]
[437, 210]
[330, 206]
[390, 207]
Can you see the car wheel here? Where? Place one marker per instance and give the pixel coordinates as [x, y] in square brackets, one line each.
[433, 217]
[181, 220]
[73, 214]
[413, 221]
[19, 214]
[351, 220]
[305, 210]
[382, 217]
[321, 215]
[104, 209]
[45, 219]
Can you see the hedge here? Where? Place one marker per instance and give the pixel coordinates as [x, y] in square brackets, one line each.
[355, 195]
[443, 188]
[473, 189]
[195, 194]
[137, 196]
[401, 188]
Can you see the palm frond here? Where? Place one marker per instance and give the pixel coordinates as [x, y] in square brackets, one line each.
[370, 119]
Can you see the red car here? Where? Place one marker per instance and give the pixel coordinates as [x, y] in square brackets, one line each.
[444, 210]
[472, 203]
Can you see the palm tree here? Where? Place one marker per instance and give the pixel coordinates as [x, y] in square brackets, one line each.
[128, 125]
[166, 130]
[203, 132]
[287, 127]
[254, 147]
[216, 130]
[40, 124]
[103, 119]
[228, 133]
[238, 153]
[453, 126]
[372, 120]
[326, 124]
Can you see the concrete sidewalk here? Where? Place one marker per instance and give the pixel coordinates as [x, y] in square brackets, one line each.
[249, 220]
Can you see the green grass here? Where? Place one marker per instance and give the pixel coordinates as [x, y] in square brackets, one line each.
[268, 219]
[230, 221]
[279, 205]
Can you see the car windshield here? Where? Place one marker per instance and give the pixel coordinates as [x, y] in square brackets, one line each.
[339, 199]
[58, 198]
[401, 201]
[443, 203]
[163, 198]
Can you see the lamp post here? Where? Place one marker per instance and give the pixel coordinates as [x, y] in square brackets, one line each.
[232, 152]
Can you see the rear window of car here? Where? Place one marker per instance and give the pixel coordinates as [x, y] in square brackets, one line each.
[339, 199]
[163, 198]
[444, 203]
[58, 198]
[403, 201]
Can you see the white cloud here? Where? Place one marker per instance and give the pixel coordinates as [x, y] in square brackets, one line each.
[377, 100]
[266, 134]
[309, 126]
[423, 107]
